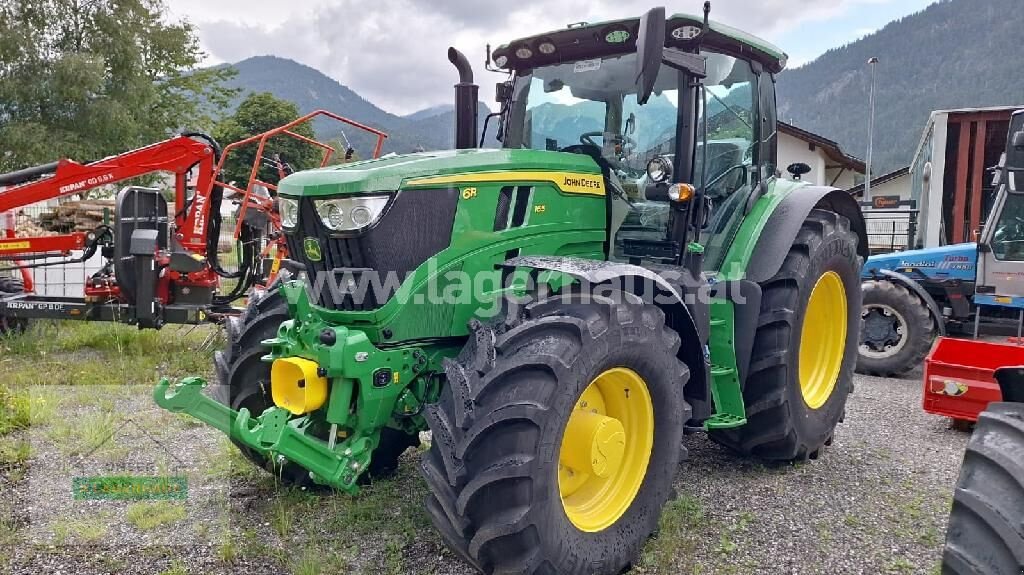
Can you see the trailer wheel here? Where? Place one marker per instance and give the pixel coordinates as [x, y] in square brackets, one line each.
[986, 525]
[244, 381]
[896, 330]
[801, 369]
[11, 325]
[555, 442]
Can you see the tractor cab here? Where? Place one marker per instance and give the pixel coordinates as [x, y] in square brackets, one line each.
[1001, 246]
[684, 139]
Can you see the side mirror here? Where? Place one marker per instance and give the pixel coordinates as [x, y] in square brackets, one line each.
[1018, 140]
[798, 169]
[650, 44]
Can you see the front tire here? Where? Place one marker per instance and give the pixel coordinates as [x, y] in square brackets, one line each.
[986, 525]
[805, 346]
[896, 330]
[525, 472]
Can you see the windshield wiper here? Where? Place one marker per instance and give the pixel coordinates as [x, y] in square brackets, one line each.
[727, 107]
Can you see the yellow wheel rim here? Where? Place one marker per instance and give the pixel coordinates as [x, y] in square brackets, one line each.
[822, 340]
[605, 449]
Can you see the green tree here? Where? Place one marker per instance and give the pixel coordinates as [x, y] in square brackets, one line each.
[256, 114]
[90, 78]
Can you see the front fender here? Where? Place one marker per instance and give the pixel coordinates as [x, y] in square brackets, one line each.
[671, 296]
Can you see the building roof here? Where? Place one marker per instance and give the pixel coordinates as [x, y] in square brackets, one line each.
[858, 190]
[831, 148]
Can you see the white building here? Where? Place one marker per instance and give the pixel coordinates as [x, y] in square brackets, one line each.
[830, 165]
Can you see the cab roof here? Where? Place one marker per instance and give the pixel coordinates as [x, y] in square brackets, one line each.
[584, 41]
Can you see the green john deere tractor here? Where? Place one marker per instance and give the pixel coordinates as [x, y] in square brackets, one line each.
[627, 268]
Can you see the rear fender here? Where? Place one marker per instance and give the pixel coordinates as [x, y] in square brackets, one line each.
[1011, 383]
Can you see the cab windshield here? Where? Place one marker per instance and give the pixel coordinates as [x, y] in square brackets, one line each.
[590, 107]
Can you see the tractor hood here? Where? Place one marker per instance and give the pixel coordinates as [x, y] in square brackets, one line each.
[390, 172]
[953, 261]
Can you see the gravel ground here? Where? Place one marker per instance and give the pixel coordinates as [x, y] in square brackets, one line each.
[876, 502]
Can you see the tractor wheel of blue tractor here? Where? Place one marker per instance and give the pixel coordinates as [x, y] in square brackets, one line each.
[557, 438]
[244, 381]
[10, 326]
[801, 369]
[896, 330]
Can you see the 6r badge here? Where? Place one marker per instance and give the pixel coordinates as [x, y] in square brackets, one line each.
[312, 249]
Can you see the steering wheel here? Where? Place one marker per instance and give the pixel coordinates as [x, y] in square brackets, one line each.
[625, 141]
[718, 179]
[1006, 229]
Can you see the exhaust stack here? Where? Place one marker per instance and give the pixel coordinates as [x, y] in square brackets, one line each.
[466, 96]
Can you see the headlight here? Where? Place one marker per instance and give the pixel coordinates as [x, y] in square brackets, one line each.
[659, 169]
[352, 213]
[289, 210]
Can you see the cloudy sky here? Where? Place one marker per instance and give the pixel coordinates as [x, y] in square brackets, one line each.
[393, 52]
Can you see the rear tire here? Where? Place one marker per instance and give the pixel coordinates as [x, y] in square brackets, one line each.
[781, 425]
[11, 325]
[244, 381]
[896, 330]
[986, 525]
[495, 465]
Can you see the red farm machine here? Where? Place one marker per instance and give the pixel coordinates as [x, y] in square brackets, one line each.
[160, 262]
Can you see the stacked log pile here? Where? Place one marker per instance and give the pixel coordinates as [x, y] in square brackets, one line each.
[25, 227]
[81, 216]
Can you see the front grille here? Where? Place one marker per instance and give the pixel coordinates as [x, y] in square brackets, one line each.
[416, 226]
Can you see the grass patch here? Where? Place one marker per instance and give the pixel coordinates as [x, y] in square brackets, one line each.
[150, 515]
[229, 463]
[8, 532]
[86, 531]
[176, 568]
[14, 452]
[99, 353]
[900, 565]
[227, 551]
[681, 519]
[309, 562]
[392, 506]
[282, 517]
[316, 561]
[15, 411]
[84, 434]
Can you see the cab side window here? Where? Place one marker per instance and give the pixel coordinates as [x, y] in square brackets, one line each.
[1008, 240]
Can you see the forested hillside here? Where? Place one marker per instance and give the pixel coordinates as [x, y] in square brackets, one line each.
[955, 53]
[310, 89]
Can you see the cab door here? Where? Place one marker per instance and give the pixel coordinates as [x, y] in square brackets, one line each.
[1001, 261]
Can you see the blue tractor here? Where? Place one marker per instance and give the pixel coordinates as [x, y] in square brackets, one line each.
[910, 297]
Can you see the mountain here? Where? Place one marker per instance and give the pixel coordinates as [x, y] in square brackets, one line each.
[310, 89]
[430, 112]
[953, 54]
